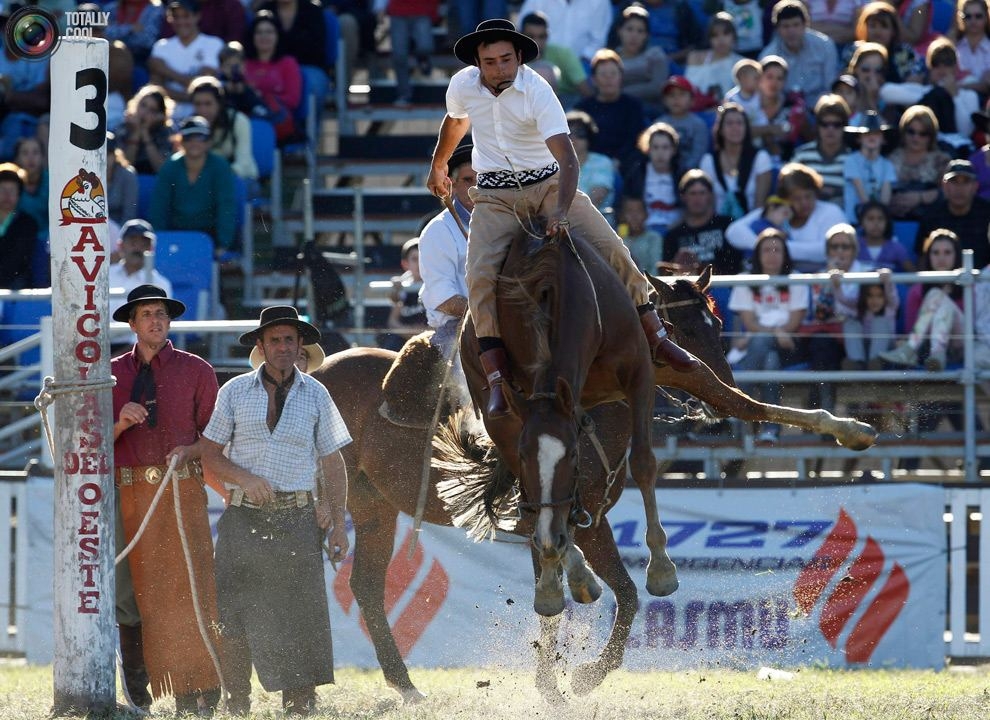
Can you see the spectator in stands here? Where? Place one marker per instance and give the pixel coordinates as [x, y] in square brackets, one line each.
[826, 155]
[645, 66]
[597, 178]
[981, 158]
[581, 25]
[442, 254]
[645, 245]
[230, 130]
[919, 164]
[701, 230]
[407, 314]
[570, 78]
[981, 323]
[177, 60]
[811, 57]
[879, 23]
[960, 211]
[916, 17]
[811, 218]
[138, 23]
[952, 104]
[654, 177]
[869, 327]
[120, 70]
[137, 237]
[746, 17]
[411, 32]
[29, 157]
[25, 90]
[835, 19]
[779, 120]
[274, 76]
[239, 95]
[878, 248]
[195, 190]
[675, 28]
[846, 86]
[742, 173]
[869, 67]
[971, 33]
[746, 92]
[776, 214]
[620, 117]
[302, 35]
[868, 175]
[710, 70]
[122, 183]
[146, 136]
[224, 19]
[770, 316]
[695, 138]
[18, 233]
[933, 312]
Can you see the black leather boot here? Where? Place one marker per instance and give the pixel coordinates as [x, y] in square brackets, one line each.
[235, 662]
[495, 364]
[132, 660]
[664, 350]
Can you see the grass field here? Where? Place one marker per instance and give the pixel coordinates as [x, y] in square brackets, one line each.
[492, 694]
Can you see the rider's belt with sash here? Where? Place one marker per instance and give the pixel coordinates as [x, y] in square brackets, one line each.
[289, 500]
[503, 179]
[154, 474]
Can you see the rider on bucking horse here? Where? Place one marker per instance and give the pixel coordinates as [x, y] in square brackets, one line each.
[525, 161]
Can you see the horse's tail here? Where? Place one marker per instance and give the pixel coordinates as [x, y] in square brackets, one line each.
[476, 487]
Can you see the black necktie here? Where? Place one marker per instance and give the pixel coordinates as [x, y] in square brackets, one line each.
[144, 393]
[281, 391]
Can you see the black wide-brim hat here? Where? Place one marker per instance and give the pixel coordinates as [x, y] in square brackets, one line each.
[461, 155]
[489, 31]
[282, 315]
[148, 293]
[871, 122]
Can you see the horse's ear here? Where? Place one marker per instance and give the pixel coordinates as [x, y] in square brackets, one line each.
[565, 397]
[704, 279]
[662, 288]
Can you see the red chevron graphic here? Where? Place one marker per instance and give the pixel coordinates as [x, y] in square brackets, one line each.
[422, 607]
[851, 591]
[826, 562]
[879, 616]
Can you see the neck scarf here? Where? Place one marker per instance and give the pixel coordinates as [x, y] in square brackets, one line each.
[145, 393]
[281, 391]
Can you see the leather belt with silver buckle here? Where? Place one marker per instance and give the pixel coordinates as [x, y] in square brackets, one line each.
[154, 474]
[289, 500]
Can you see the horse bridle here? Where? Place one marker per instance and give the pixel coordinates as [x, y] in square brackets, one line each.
[662, 308]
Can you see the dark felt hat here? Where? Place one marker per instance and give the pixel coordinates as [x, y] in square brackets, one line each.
[959, 167]
[282, 315]
[489, 31]
[870, 123]
[461, 155]
[148, 293]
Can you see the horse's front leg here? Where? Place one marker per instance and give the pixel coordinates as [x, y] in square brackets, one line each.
[580, 580]
[549, 598]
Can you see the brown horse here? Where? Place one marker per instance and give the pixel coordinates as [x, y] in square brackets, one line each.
[574, 341]
[384, 477]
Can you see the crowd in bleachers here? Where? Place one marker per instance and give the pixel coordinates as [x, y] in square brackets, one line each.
[700, 125]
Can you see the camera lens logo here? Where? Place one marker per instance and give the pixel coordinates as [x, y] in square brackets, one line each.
[31, 33]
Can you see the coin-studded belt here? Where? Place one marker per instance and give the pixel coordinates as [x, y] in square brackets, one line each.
[502, 179]
[283, 500]
[154, 474]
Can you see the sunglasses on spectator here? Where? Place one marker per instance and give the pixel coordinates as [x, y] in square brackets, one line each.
[832, 124]
[943, 63]
[917, 133]
[875, 69]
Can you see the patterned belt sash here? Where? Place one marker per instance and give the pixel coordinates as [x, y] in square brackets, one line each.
[283, 500]
[154, 474]
[503, 179]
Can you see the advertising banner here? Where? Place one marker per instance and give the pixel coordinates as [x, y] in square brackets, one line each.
[851, 576]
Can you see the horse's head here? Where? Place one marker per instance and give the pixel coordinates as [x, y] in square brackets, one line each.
[697, 327]
[548, 461]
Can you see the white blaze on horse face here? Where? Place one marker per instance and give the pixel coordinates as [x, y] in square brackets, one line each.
[551, 450]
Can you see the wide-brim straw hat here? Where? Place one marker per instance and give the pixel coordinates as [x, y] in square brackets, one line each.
[314, 354]
[148, 293]
[489, 31]
[282, 315]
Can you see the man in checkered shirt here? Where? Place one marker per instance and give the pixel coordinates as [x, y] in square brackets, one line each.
[283, 432]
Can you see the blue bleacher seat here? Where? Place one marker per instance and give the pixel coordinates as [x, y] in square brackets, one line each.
[263, 146]
[20, 320]
[943, 16]
[185, 257]
[146, 186]
[905, 232]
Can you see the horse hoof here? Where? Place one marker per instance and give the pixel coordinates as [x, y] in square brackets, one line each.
[550, 692]
[586, 593]
[412, 696]
[862, 437]
[661, 583]
[587, 677]
[549, 605]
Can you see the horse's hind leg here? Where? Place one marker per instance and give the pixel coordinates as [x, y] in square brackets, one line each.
[603, 555]
[581, 581]
[374, 530]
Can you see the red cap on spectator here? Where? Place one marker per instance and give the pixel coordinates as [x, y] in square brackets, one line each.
[678, 81]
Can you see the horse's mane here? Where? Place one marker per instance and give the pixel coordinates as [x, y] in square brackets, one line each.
[526, 290]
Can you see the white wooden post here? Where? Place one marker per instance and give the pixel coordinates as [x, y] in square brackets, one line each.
[83, 423]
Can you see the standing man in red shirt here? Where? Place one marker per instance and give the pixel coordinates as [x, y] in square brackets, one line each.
[162, 401]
